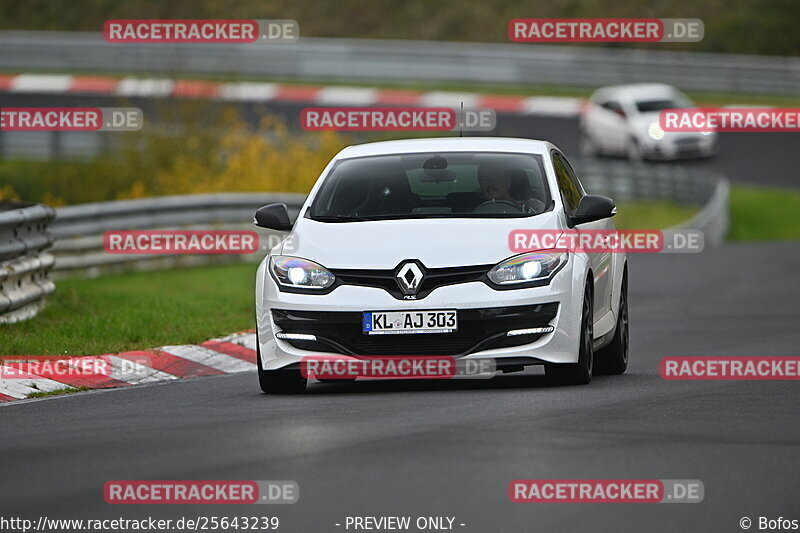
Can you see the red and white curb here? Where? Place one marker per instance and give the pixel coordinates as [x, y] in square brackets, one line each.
[227, 355]
[290, 93]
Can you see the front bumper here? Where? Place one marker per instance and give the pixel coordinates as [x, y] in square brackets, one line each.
[681, 147]
[485, 316]
[478, 330]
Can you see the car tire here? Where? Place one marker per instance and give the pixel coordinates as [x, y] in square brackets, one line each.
[613, 359]
[586, 146]
[579, 373]
[287, 380]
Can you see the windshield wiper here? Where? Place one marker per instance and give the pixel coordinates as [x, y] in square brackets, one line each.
[338, 218]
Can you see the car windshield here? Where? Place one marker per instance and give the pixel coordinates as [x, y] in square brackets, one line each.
[660, 104]
[433, 185]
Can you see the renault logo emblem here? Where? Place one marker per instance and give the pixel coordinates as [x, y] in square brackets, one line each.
[409, 277]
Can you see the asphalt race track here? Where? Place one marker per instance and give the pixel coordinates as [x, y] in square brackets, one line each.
[451, 448]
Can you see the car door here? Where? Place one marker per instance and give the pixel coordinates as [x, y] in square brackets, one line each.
[613, 121]
[571, 193]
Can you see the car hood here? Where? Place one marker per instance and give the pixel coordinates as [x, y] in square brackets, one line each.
[384, 244]
[642, 121]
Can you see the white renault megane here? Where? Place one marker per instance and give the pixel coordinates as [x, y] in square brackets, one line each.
[402, 249]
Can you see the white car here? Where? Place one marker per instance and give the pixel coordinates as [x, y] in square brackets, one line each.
[623, 120]
[422, 226]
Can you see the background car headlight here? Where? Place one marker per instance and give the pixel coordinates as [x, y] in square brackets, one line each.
[300, 273]
[655, 132]
[527, 268]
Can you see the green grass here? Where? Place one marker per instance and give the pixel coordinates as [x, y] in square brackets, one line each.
[57, 392]
[764, 214]
[137, 311]
[651, 215]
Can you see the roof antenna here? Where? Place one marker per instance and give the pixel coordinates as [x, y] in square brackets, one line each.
[461, 123]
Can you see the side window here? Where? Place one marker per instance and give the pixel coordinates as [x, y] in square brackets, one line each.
[572, 176]
[568, 184]
[614, 107]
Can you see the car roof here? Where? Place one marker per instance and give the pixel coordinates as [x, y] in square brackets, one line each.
[634, 91]
[447, 144]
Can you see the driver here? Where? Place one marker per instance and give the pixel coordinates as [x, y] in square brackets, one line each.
[496, 186]
[496, 183]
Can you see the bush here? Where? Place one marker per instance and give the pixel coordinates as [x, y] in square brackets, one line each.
[199, 148]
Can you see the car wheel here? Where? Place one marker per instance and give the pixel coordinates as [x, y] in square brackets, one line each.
[633, 150]
[586, 146]
[282, 381]
[613, 359]
[578, 373]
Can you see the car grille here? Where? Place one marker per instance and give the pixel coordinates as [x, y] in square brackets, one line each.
[478, 329]
[433, 278]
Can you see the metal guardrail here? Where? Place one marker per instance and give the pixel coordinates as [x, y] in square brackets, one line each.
[714, 219]
[626, 181]
[79, 228]
[24, 264]
[370, 60]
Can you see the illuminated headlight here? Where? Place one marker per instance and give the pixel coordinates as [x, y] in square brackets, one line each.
[655, 132]
[527, 268]
[297, 273]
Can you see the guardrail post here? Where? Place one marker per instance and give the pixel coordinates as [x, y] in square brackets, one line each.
[24, 264]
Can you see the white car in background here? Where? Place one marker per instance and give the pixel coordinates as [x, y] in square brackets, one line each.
[419, 229]
[622, 120]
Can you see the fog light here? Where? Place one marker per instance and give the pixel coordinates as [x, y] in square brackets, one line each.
[530, 331]
[296, 336]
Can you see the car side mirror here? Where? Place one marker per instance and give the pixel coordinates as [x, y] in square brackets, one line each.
[273, 216]
[593, 208]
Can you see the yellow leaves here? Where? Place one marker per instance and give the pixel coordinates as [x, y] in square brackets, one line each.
[52, 200]
[221, 153]
[7, 192]
[188, 148]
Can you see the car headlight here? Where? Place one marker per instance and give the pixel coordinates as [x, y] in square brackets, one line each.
[534, 268]
[297, 273]
[655, 132]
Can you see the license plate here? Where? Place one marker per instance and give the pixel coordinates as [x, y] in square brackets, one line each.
[400, 322]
